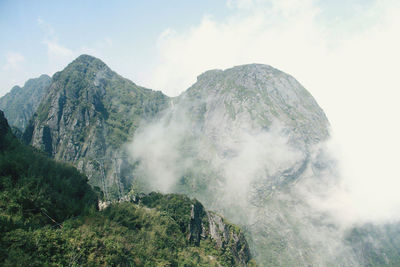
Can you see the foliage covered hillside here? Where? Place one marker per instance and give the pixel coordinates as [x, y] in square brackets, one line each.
[124, 234]
[34, 189]
[49, 217]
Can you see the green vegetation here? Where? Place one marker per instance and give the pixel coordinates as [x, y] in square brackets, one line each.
[177, 206]
[34, 189]
[122, 235]
[127, 105]
[49, 217]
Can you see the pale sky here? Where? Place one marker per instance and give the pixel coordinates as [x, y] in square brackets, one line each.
[346, 53]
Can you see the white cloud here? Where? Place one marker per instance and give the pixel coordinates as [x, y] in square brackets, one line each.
[13, 71]
[56, 50]
[254, 37]
[168, 32]
[350, 66]
[58, 55]
[13, 61]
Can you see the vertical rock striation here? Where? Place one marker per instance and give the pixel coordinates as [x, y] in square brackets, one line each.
[87, 115]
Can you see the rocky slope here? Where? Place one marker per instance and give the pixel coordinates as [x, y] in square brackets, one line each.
[244, 141]
[20, 103]
[87, 115]
[202, 226]
[254, 96]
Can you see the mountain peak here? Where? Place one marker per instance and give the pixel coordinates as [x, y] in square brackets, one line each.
[84, 58]
[252, 66]
[21, 102]
[243, 69]
[85, 62]
[44, 78]
[261, 94]
[85, 66]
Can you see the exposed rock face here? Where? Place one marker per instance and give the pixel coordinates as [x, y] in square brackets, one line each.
[228, 236]
[4, 128]
[20, 103]
[196, 227]
[254, 96]
[201, 227]
[86, 117]
[205, 224]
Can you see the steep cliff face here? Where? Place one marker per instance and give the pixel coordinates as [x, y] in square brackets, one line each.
[4, 129]
[227, 237]
[20, 103]
[86, 116]
[203, 228]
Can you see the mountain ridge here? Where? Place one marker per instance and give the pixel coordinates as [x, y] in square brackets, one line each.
[88, 114]
[21, 102]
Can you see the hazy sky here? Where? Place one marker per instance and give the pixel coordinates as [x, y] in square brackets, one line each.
[345, 52]
[43, 36]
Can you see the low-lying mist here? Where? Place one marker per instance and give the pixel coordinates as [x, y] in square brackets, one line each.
[289, 195]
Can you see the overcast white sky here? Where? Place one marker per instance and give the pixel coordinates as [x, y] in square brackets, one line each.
[346, 53]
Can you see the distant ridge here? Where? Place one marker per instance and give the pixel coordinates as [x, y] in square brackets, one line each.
[21, 102]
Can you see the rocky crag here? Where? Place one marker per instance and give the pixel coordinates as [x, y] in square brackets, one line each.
[202, 226]
[87, 115]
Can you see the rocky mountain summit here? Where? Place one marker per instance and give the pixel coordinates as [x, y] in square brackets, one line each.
[255, 96]
[21, 102]
[87, 115]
